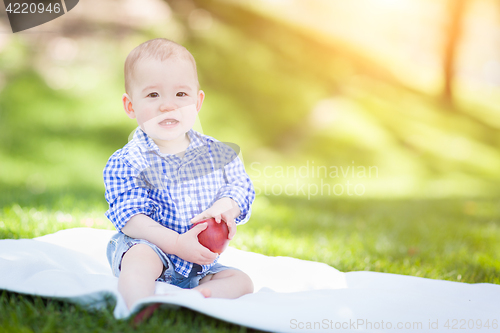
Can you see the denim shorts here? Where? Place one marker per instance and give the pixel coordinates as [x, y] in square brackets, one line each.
[120, 243]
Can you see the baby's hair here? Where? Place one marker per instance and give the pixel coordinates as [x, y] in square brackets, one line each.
[160, 49]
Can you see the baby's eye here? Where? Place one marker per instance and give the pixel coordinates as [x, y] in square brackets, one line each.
[153, 94]
[181, 94]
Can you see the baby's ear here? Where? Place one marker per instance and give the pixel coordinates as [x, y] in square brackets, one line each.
[200, 99]
[127, 105]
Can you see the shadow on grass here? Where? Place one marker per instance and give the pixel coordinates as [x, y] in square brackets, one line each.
[33, 313]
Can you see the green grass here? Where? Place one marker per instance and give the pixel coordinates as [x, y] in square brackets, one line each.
[34, 314]
[449, 239]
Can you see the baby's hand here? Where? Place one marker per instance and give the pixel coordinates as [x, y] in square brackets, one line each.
[188, 247]
[225, 209]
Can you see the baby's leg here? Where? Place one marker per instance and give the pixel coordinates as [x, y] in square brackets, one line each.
[140, 267]
[229, 283]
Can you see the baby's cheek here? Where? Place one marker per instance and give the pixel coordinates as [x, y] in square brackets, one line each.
[189, 112]
[188, 107]
[149, 121]
[148, 128]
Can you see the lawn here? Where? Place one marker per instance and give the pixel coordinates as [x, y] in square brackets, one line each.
[449, 239]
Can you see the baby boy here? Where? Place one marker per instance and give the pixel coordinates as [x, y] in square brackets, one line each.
[168, 177]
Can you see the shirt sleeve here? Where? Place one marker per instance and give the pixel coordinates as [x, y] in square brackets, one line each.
[238, 186]
[125, 193]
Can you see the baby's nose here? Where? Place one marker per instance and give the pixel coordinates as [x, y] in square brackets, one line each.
[167, 106]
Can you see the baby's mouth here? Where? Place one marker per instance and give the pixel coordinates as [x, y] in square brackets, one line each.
[168, 122]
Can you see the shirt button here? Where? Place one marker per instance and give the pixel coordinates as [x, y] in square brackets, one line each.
[187, 199]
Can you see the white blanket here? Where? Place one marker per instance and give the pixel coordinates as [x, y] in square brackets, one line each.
[291, 294]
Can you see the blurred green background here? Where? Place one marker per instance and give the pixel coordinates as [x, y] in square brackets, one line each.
[370, 129]
[366, 125]
[330, 86]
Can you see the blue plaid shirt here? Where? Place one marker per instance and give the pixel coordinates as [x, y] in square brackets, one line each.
[139, 179]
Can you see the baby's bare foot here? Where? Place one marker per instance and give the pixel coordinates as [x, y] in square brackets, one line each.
[205, 292]
[145, 314]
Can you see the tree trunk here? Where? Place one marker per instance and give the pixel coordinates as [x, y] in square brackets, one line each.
[456, 10]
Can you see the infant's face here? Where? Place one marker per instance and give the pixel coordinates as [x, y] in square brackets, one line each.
[165, 98]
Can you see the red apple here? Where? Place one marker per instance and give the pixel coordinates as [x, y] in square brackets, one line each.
[215, 236]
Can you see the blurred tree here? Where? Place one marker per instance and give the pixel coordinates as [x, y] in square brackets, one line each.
[303, 61]
[453, 32]
[305, 66]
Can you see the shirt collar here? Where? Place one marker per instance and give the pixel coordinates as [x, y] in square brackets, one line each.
[145, 143]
